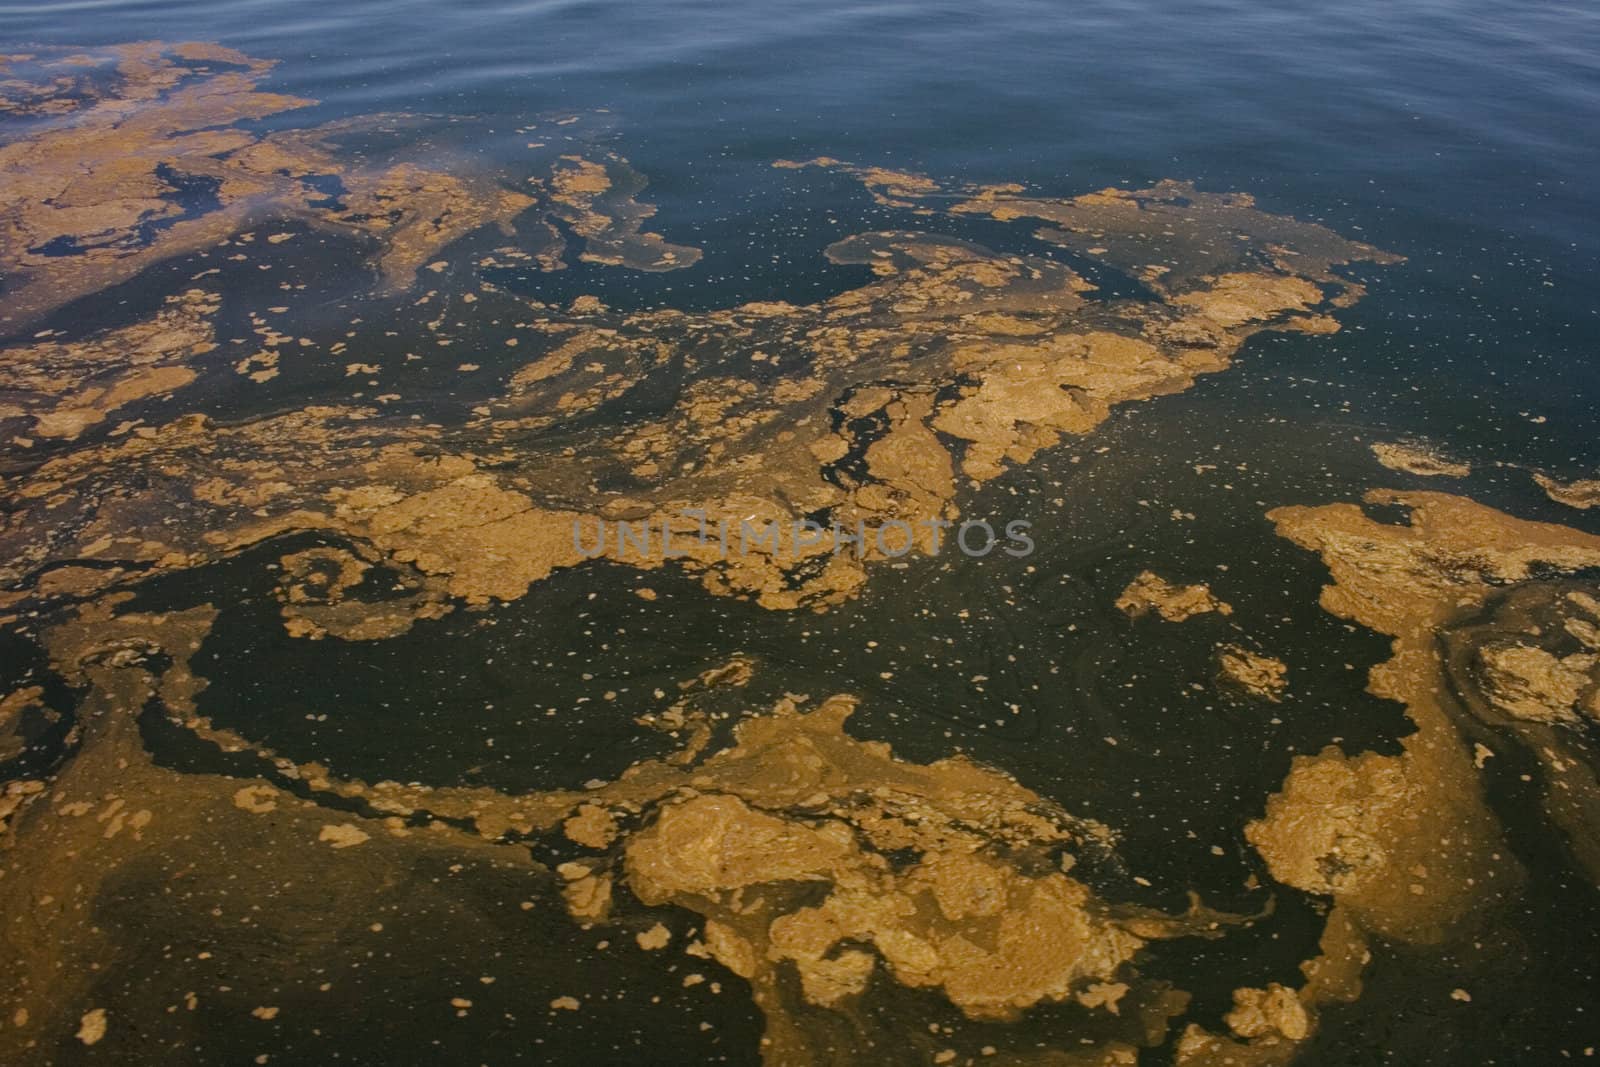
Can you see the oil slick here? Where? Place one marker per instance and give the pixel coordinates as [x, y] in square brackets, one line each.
[779, 850]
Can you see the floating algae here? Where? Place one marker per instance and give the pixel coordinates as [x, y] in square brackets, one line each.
[318, 591]
[1253, 673]
[597, 199]
[157, 166]
[1404, 845]
[1405, 842]
[150, 161]
[66, 388]
[1417, 458]
[868, 411]
[799, 845]
[1174, 603]
[821, 870]
[111, 823]
[1527, 669]
[1581, 493]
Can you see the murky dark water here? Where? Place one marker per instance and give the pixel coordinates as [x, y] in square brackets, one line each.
[1459, 135]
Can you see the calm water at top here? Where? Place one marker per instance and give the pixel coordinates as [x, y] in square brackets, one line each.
[1459, 134]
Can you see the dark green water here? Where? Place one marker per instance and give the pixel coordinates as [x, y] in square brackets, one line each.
[1460, 135]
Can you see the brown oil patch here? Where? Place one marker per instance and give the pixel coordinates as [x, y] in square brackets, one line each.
[1150, 592]
[1181, 240]
[139, 155]
[598, 199]
[13, 706]
[319, 591]
[1414, 457]
[1405, 842]
[79, 850]
[1580, 493]
[1268, 1026]
[94, 191]
[820, 863]
[1527, 668]
[63, 388]
[871, 409]
[156, 165]
[811, 854]
[889, 188]
[1253, 673]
